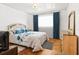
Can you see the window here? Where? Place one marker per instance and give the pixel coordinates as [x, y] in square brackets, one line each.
[45, 20]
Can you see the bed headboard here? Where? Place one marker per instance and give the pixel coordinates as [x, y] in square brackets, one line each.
[14, 26]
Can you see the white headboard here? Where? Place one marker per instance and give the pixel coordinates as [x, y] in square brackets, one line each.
[14, 26]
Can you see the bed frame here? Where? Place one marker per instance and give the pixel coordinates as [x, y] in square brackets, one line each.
[10, 26]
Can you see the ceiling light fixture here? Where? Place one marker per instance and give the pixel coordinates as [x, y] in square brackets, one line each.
[35, 6]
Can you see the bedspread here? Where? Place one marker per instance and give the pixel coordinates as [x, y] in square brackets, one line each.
[34, 40]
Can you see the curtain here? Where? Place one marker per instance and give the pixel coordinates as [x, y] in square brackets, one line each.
[35, 22]
[56, 25]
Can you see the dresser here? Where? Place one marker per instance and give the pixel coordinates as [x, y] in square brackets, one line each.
[70, 45]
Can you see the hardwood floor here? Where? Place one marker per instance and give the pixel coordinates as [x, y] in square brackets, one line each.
[56, 49]
[57, 45]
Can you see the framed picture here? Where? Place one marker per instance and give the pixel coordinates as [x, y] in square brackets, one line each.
[71, 23]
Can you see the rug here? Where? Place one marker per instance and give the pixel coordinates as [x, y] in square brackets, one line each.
[47, 45]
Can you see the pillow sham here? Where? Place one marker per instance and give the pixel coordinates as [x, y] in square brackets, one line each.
[20, 30]
[17, 31]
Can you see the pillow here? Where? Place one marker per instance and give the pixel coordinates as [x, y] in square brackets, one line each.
[24, 30]
[20, 30]
[17, 31]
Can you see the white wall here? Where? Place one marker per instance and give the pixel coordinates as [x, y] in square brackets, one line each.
[63, 21]
[9, 15]
[64, 17]
[30, 21]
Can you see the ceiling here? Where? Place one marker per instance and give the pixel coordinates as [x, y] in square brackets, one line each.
[37, 8]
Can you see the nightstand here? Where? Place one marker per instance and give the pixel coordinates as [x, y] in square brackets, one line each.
[13, 50]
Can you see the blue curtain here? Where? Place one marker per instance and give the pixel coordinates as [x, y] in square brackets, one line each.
[35, 22]
[56, 23]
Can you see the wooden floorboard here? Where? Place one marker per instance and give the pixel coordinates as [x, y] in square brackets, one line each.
[56, 49]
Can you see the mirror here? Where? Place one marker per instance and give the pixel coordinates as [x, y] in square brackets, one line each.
[71, 23]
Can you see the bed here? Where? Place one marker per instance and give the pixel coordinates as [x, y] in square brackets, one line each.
[21, 35]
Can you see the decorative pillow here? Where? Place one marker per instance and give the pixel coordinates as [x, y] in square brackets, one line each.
[24, 30]
[20, 30]
[17, 31]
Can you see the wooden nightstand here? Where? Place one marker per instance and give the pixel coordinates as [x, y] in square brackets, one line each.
[13, 50]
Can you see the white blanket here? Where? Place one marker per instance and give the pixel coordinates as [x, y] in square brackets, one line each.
[35, 40]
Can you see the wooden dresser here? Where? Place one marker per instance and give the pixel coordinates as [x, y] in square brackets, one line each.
[70, 45]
